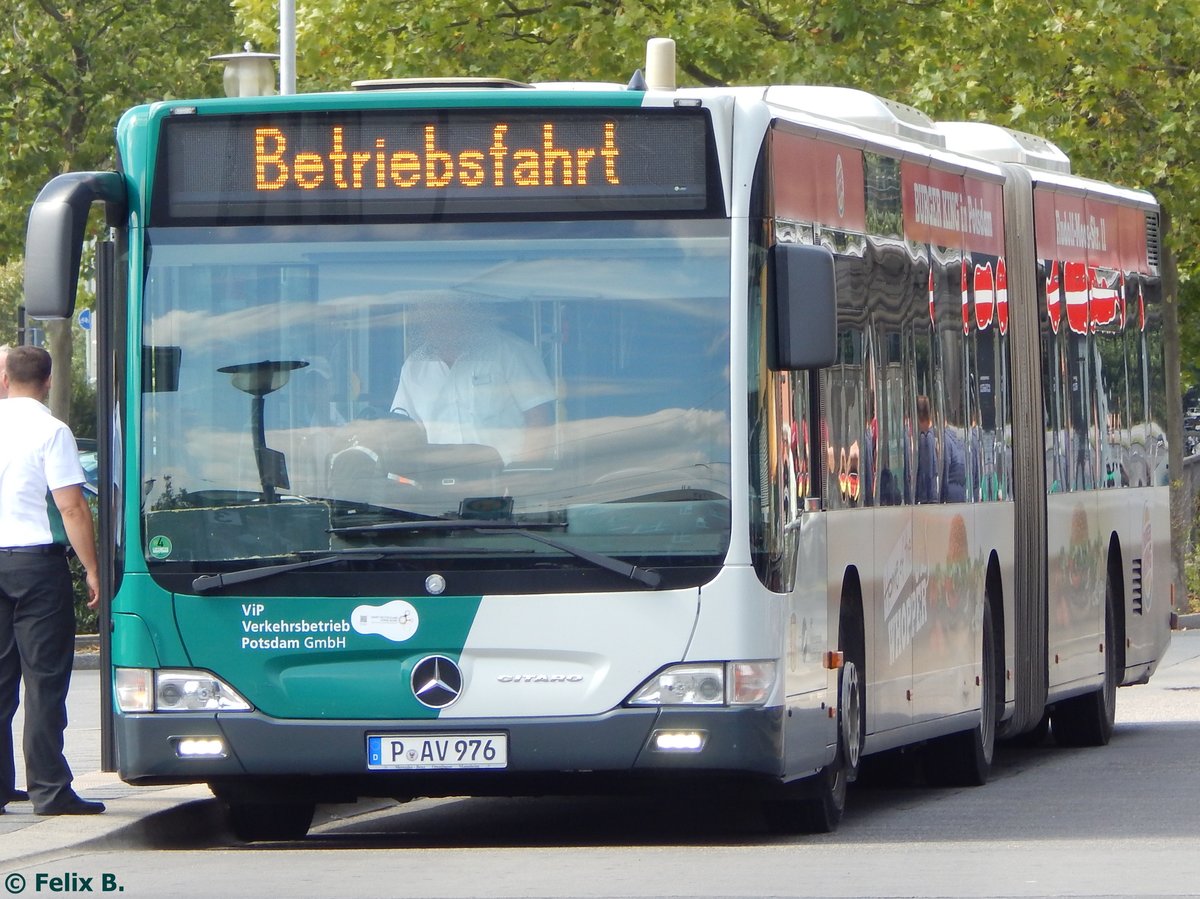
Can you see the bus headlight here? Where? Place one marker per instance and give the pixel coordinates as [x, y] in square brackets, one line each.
[175, 690]
[709, 684]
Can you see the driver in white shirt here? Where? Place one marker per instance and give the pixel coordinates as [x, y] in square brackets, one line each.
[468, 381]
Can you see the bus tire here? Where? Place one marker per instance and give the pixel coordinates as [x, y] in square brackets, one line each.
[965, 759]
[1088, 720]
[1034, 737]
[813, 805]
[821, 809]
[252, 822]
[852, 689]
[821, 801]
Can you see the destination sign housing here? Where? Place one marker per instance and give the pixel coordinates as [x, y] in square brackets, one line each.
[422, 163]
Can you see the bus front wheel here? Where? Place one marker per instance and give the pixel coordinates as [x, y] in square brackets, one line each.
[253, 822]
[821, 800]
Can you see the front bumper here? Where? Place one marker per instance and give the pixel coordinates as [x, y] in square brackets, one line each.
[328, 759]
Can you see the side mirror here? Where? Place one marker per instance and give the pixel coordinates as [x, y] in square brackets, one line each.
[802, 307]
[54, 237]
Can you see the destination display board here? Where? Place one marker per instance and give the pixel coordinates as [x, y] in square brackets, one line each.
[372, 163]
[949, 209]
[1090, 229]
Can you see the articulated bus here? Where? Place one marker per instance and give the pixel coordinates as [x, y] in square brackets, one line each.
[488, 438]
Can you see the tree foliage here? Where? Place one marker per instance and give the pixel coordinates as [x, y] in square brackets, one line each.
[11, 274]
[69, 68]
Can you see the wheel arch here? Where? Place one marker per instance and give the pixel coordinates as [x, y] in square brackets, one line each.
[852, 634]
[1116, 578]
[993, 594]
[851, 612]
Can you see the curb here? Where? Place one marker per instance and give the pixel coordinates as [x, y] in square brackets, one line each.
[87, 652]
[1189, 622]
[157, 817]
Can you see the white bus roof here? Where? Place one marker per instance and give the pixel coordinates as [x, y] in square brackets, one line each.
[1001, 144]
[860, 108]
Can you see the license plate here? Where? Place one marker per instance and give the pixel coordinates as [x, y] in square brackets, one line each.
[388, 752]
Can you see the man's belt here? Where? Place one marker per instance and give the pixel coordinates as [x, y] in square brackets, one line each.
[45, 549]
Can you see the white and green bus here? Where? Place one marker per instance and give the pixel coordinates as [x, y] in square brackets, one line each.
[780, 427]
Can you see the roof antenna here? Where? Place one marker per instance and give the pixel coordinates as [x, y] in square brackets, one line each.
[660, 64]
[637, 82]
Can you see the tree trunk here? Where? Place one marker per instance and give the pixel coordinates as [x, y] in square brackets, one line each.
[59, 345]
[1182, 509]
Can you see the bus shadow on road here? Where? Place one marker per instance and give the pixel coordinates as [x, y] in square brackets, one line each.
[1137, 784]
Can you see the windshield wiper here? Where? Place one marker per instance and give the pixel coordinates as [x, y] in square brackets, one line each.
[644, 576]
[206, 582]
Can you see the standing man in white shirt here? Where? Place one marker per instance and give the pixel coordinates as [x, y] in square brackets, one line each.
[39, 457]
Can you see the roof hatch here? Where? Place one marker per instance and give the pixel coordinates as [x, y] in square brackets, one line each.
[410, 84]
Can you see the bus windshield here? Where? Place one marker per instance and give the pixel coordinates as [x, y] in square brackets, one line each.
[301, 383]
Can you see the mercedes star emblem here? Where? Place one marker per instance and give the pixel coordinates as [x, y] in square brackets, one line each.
[436, 682]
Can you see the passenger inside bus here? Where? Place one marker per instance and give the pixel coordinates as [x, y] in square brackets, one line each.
[926, 453]
[951, 487]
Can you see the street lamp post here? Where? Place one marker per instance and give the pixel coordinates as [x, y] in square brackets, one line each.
[287, 47]
[248, 74]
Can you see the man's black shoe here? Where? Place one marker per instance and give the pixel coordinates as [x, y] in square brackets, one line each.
[73, 806]
[14, 796]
